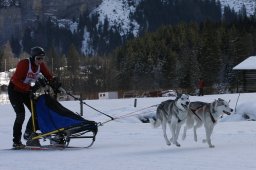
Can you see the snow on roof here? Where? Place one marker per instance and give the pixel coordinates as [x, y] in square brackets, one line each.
[247, 64]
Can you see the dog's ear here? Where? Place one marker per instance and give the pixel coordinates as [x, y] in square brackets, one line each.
[179, 95]
[187, 96]
[215, 102]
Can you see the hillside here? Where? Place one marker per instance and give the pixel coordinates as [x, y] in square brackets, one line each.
[118, 12]
[17, 15]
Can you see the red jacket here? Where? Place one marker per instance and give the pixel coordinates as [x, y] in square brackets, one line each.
[21, 73]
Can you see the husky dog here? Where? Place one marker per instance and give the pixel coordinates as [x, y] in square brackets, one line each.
[173, 112]
[205, 113]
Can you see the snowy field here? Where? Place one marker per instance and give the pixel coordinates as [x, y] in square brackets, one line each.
[127, 144]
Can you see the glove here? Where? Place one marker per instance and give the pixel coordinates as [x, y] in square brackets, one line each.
[35, 87]
[55, 84]
[40, 82]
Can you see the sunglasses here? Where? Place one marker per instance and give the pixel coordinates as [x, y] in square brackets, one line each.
[39, 58]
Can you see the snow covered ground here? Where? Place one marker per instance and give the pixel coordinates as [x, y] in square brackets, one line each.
[127, 144]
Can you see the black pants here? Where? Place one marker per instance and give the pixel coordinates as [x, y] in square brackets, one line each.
[201, 92]
[18, 100]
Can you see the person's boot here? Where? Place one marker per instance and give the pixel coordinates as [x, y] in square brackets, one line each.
[26, 135]
[31, 142]
[18, 145]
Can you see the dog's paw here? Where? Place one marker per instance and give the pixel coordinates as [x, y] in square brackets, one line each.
[168, 143]
[177, 144]
[211, 146]
[204, 140]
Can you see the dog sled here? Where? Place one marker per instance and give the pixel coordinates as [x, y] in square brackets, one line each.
[52, 121]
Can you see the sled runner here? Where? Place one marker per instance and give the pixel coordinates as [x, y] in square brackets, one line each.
[58, 124]
[48, 148]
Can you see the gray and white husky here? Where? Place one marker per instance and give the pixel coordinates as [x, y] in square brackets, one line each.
[173, 113]
[207, 114]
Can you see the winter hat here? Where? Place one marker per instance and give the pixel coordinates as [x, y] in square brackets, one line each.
[36, 51]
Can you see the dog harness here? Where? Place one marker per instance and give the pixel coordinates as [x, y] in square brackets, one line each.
[194, 112]
[211, 110]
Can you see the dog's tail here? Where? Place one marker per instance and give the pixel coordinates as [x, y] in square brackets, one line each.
[155, 122]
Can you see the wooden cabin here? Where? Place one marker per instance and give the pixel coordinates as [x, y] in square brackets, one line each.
[247, 74]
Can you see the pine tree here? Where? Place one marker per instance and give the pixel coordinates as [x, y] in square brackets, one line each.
[8, 59]
[53, 61]
[15, 45]
[242, 12]
[73, 61]
[209, 58]
[27, 41]
[229, 15]
[1, 60]
[73, 65]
